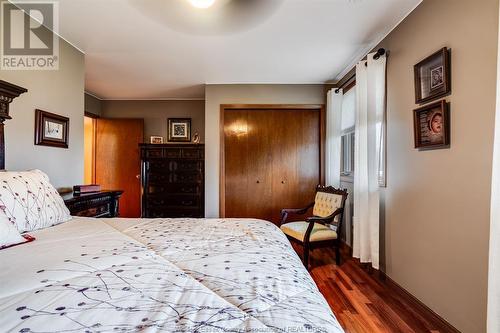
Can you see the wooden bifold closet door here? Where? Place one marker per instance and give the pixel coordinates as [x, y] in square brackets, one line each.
[272, 160]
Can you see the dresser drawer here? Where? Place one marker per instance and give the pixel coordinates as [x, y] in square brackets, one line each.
[192, 153]
[190, 177]
[98, 211]
[154, 153]
[186, 177]
[96, 204]
[173, 201]
[161, 153]
[193, 177]
[172, 152]
[185, 165]
[160, 166]
[174, 188]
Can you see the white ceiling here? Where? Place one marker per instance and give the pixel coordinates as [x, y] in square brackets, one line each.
[161, 49]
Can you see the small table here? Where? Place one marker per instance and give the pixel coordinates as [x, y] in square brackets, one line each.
[96, 204]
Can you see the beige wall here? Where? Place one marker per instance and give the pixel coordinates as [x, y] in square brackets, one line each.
[155, 114]
[62, 92]
[93, 105]
[437, 203]
[216, 95]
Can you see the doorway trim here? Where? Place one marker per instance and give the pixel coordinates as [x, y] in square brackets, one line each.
[222, 170]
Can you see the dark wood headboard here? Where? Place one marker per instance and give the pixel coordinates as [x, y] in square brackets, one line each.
[8, 92]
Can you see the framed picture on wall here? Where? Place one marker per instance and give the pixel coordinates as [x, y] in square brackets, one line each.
[51, 129]
[432, 126]
[179, 129]
[433, 77]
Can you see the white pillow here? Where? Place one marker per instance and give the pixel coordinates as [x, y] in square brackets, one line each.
[9, 235]
[29, 201]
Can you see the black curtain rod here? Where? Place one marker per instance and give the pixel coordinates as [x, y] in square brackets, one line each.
[380, 52]
[376, 56]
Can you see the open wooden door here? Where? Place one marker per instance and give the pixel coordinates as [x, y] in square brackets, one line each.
[117, 160]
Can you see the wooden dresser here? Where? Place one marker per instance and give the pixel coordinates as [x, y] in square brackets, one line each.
[172, 177]
[97, 204]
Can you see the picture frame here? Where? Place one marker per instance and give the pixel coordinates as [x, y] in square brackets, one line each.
[51, 129]
[179, 129]
[431, 124]
[433, 77]
[156, 139]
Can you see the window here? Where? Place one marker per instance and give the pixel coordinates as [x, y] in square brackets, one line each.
[347, 136]
[347, 154]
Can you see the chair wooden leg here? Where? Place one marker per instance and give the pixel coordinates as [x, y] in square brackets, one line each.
[337, 253]
[306, 256]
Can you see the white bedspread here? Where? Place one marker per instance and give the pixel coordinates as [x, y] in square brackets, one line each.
[170, 275]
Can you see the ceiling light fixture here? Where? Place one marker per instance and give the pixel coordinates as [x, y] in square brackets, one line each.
[202, 3]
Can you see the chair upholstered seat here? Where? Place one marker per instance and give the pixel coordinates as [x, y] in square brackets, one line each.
[298, 230]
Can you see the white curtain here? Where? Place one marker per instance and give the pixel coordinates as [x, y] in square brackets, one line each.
[368, 157]
[333, 137]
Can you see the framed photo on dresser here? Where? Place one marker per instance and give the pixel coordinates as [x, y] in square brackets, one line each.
[156, 139]
[51, 129]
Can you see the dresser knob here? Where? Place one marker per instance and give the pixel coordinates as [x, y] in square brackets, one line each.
[258, 181]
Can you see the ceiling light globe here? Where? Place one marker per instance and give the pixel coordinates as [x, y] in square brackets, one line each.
[202, 3]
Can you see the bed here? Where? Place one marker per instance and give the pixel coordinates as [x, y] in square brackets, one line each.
[150, 275]
[173, 275]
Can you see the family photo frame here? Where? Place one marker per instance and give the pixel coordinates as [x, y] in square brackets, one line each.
[432, 126]
[433, 77]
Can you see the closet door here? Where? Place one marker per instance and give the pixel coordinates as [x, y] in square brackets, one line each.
[296, 158]
[271, 161]
[260, 166]
[285, 149]
[236, 162]
[248, 164]
[308, 157]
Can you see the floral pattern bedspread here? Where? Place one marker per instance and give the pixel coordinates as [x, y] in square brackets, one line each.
[159, 275]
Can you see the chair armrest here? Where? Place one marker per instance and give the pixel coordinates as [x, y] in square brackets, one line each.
[324, 220]
[297, 211]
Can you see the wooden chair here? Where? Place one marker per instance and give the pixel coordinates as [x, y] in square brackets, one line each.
[315, 231]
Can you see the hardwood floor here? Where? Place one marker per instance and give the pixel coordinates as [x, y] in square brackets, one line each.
[365, 302]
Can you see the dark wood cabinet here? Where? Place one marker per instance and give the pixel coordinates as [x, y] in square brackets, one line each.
[97, 204]
[172, 177]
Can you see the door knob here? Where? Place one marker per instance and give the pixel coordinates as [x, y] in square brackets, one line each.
[283, 182]
[258, 181]
[138, 176]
